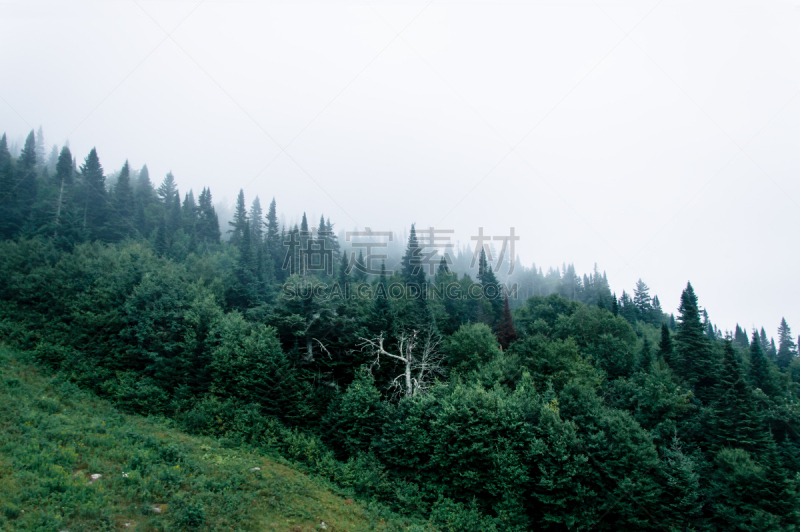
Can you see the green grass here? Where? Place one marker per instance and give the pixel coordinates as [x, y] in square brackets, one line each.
[54, 436]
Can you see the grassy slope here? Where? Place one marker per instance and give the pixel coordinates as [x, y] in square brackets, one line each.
[53, 436]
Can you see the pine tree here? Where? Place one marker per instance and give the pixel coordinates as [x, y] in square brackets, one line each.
[735, 419]
[207, 221]
[787, 349]
[256, 223]
[693, 356]
[411, 259]
[189, 219]
[123, 206]
[506, 333]
[614, 305]
[63, 179]
[273, 239]
[360, 269]
[642, 301]
[380, 321]
[145, 197]
[40, 148]
[93, 195]
[759, 374]
[9, 221]
[27, 186]
[167, 190]
[239, 220]
[160, 244]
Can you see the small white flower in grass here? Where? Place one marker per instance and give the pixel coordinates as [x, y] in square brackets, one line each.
[124, 474]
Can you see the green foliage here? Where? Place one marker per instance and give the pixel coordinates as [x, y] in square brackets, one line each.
[471, 346]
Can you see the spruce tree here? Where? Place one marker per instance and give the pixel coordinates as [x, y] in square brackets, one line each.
[94, 198]
[360, 269]
[380, 320]
[239, 220]
[735, 418]
[411, 260]
[642, 301]
[123, 206]
[9, 221]
[273, 239]
[207, 222]
[63, 179]
[189, 219]
[759, 374]
[614, 305]
[787, 349]
[167, 190]
[26, 185]
[144, 197]
[256, 223]
[694, 360]
[506, 333]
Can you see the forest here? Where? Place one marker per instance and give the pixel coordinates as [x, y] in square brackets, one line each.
[531, 401]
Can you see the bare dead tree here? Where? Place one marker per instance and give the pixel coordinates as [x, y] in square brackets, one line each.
[421, 360]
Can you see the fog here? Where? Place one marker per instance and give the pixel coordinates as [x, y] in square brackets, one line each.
[656, 139]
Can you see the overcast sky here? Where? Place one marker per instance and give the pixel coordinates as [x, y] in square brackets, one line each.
[658, 139]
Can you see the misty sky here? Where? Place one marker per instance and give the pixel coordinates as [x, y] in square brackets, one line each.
[658, 139]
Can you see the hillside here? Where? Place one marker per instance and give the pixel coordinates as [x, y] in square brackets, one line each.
[54, 437]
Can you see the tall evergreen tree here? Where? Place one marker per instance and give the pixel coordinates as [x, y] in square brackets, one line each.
[787, 349]
[642, 301]
[123, 206]
[27, 186]
[207, 222]
[239, 220]
[64, 180]
[167, 190]
[256, 223]
[506, 333]
[380, 320]
[411, 264]
[145, 198]
[735, 418]
[9, 221]
[694, 359]
[759, 373]
[273, 239]
[189, 219]
[94, 197]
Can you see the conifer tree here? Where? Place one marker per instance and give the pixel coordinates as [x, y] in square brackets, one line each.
[256, 223]
[380, 321]
[144, 197]
[411, 259]
[123, 206]
[735, 419]
[642, 301]
[693, 356]
[787, 349]
[273, 239]
[239, 220]
[167, 190]
[360, 269]
[759, 374]
[26, 185]
[614, 305]
[189, 219]
[762, 338]
[93, 195]
[9, 221]
[207, 222]
[63, 179]
[506, 333]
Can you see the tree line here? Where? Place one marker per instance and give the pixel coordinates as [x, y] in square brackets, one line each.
[572, 409]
